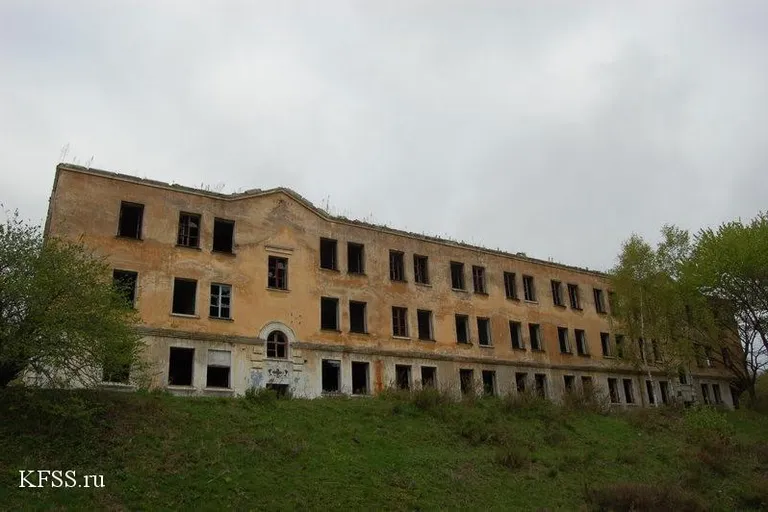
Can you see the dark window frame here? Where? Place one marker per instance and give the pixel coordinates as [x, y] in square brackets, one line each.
[424, 316]
[189, 234]
[277, 278]
[484, 336]
[557, 293]
[277, 345]
[529, 288]
[420, 269]
[219, 309]
[139, 225]
[464, 319]
[574, 296]
[563, 341]
[219, 245]
[400, 322]
[397, 266]
[176, 289]
[355, 258]
[599, 301]
[127, 284]
[329, 244]
[516, 335]
[325, 315]
[479, 285]
[355, 326]
[537, 343]
[457, 276]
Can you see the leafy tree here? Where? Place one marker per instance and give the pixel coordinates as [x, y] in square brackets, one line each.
[61, 319]
[698, 300]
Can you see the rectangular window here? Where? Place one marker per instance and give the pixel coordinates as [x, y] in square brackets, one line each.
[219, 364]
[466, 380]
[221, 298]
[424, 319]
[605, 344]
[705, 393]
[329, 313]
[581, 342]
[180, 364]
[516, 334]
[131, 215]
[540, 380]
[716, 392]
[277, 345]
[184, 294]
[357, 317]
[562, 338]
[396, 266]
[534, 332]
[520, 379]
[223, 235]
[360, 372]
[489, 383]
[649, 391]
[428, 377]
[573, 295]
[331, 376]
[484, 332]
[629, 393]
[462, 328]
[478, 279]
[420, 269]
[664, 389]
[457, 276]
[355, 258]
[403, 376]
[277, 276]
[620, 346]
[529, 290]
[510, 285]
[599, 301]
[613, 391]
[400, 321]
[328, 258]
[189, 230]
[124, 282]
[557, 293]
[570, 383]
[682, 377]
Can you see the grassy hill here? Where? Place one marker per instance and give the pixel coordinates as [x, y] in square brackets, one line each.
[416, 452]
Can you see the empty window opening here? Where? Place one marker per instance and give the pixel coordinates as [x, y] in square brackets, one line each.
[534, 332]
[420, 269]
[428, 377]
[124, 282]
[656, 351]
[355, 258]
[184, 292]
[613, 391]
[400, 321]
[357, 317]
[221, 299]
[541, 384]
[682, 377]
[642, 350]
[280, 390]
[705, 393]
[516, 334]
[331, 369]
[605, 344]
[277, 345]
[466, 379]
[219, 364]
[587, 385]
[277, 273]
[117, 367]
[131, 215]
[396, 266]
[664, 390]
[328, 254]
[599, 301]
[557, 293]
[570, 383]
[424, 319]
[717, 395]
[612, 301]
[180, 364]
[629, 393]
[489, 383]
[484, 332]
[529, 290]
[520, 379]
[562, 338]
[462, 328]
[403, 376]
[329, 313]
[620, 346]
[510, 285]
[189, 230]
[360, 378]
[573, 295]
[581, 342]
[650, 392]
[478, 279]
[223, 235]
[457, 276]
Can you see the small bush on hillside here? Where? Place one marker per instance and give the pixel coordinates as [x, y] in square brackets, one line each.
[654, 419]
[707, 426]
[589, 400]
[513, 457]
[648, 498]
[531, 405]
[262, 396]
[429, 399]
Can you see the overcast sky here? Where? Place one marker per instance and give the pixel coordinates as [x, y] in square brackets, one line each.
[551, 128]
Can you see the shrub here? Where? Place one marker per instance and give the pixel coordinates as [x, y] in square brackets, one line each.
[513, 457]
[429, 399]
[261, 396]
[707, 427]
[650, 498]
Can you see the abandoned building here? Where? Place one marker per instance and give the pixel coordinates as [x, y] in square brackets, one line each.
[262, 289]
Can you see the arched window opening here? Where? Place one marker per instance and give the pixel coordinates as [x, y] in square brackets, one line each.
[277, 345]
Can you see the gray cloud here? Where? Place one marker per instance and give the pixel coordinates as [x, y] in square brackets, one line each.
[552, 128]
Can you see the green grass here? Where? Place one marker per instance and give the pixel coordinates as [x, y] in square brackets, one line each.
[405, 453]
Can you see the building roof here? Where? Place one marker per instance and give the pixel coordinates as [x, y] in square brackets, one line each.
[256, 192]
